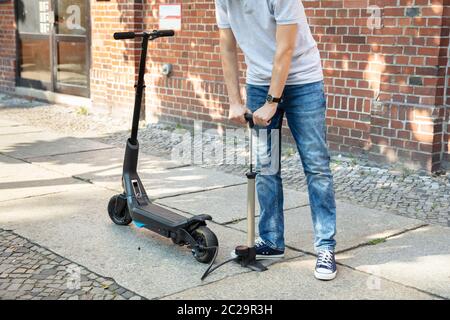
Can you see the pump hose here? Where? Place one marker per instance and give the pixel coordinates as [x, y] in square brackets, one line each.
[210, 269]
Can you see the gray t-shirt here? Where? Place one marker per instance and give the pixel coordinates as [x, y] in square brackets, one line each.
[254, 23]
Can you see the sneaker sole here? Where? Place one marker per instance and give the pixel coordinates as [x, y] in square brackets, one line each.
[271, 257]
[325, 276]
[261, 257]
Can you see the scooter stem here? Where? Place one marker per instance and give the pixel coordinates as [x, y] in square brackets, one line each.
[139, 89]
[146, 37]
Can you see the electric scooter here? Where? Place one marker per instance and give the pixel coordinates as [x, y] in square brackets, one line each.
[134, 204]
[246, 254]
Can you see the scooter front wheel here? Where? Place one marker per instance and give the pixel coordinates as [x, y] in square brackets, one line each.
[207, 239]
[118, 210]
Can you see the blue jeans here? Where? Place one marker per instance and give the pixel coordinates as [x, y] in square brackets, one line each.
[304, 107]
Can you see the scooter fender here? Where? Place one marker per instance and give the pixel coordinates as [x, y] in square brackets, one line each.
[200, 218]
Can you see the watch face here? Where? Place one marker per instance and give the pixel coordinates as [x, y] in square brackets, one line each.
[271, 99]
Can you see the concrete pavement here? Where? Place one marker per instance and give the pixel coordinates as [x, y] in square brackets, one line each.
[55, 190]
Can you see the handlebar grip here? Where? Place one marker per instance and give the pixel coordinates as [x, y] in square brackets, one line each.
[249, 118]
[124, 35]
[164, 33]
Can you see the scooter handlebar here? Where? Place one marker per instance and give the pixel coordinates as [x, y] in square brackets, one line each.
[164, 33]
[124, 35]
[153, 35]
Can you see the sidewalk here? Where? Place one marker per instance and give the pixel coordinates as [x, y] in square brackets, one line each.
[393, 188]
[55, 189]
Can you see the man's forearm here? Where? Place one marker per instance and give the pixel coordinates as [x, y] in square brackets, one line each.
[283, 57]
[280, 73]
[231, 73]
[230, 65]
[286, 40]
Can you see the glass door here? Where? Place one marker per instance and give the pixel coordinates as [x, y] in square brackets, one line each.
[71, 47]
[53, 51]
[34, 29]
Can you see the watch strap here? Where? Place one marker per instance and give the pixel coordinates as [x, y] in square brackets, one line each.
[272, 99]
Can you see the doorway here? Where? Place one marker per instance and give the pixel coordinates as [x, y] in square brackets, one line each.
[53, 47]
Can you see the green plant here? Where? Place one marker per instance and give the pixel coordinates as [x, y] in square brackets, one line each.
[353, 160]
[374, 242]
[289, 152]
[82, 111]
[406, 172]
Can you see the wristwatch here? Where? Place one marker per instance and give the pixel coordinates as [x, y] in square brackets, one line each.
[271, 99]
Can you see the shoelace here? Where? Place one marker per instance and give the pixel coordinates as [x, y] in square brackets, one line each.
[325, 258]
[259, 243]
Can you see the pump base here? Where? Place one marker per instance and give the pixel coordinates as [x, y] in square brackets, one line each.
[246, 257]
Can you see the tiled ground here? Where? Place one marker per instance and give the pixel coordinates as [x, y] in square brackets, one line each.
[394, 188]
[67, 181]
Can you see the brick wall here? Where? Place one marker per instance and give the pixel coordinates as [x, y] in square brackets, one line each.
[388, 87]
[114, 63]
[446, 120]
[196, 89]
[385, 85]
[7, 47]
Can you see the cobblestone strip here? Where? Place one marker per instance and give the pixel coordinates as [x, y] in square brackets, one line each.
[31, 272]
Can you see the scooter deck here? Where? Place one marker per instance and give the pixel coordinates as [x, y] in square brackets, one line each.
[162, 215]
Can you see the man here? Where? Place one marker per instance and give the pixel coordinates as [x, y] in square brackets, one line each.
[284, 76]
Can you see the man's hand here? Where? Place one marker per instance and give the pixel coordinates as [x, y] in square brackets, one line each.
[264, 115]
[237, 112]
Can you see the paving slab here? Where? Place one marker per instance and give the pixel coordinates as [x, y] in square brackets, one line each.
[356, 225]
[76, 225]
[294, 280]
[17, 129]
[19, 179]
[227, 204]
[99, 164]
[419, 258]
[38, 144]
[8, 123]
[160, 182]
[161, 177]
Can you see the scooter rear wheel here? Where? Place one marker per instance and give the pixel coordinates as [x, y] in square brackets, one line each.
[206, 238]
[118, 210]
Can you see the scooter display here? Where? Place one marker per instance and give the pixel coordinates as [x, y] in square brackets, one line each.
[134, 204]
